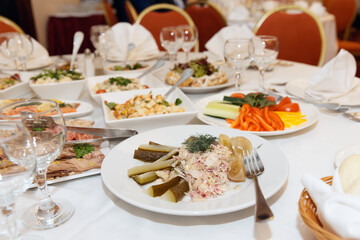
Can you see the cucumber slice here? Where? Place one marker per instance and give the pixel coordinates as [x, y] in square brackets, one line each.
[222, 110]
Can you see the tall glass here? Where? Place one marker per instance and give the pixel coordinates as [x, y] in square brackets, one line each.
[21, 47]
[237, 53]
[17, 170]
[4, 38]
[266, 49]
[190, 36]
[171, 39]
[102, 39]
[46, 125]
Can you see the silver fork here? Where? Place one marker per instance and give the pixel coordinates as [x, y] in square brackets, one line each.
[254, 167]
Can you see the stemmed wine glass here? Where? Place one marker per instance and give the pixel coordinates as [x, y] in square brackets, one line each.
[266, 49]
[48, 131]
[17, 169]
[20, 46]
[4, 37]
[237, 53]
[190, 36]
[102, 39]
[171, 39]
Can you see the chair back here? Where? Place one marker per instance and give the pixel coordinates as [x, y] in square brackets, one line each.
[131, 12]
[110, 16]
[300, 33]
[154, 20]
[208, 19]
[6, 25]
[345, 12]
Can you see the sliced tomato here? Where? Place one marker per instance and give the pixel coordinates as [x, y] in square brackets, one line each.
[289, 107]
[237, 95]
[285, 100]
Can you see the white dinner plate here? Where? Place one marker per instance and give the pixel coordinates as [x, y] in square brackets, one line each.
[229, 83]
[83, 109]
[120, 159]
[311, 112]
[113, 58]
[297, 88]
[146, 65]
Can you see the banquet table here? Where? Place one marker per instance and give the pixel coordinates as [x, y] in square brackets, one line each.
[99, 214]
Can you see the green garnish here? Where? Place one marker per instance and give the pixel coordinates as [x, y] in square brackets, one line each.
[37, 129]
[28, 104]
[128, 67]
[82, 148]
[200, 66]
[259, 100]
[164, 102]
[120, 81]
[58, 74]
[110, 105]
[178, 101]
[200, 143]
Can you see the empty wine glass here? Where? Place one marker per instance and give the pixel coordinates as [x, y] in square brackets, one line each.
[21, 47]
[171, 39]
[101, 37]
[17, 169]
[4, 37]
[190, 36]
[237, 53]
[266, 49]
[48, 131]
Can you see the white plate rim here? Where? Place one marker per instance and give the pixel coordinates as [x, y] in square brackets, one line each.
[163, 207]
[229, 83]
[201, 105]
[83, 109]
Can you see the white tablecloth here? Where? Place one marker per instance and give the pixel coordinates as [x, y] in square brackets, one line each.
[101, 215]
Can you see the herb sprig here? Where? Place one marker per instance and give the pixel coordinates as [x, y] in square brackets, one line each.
[81, 149]
[259, 100]
[200, 142]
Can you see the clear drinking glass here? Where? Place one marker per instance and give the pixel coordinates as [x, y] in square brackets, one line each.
[171, 39]
[266, 49]
[48, 131]
[102, 39]
[21, 47]
[4, 37]
[190, 36]
[17, 170]
[237, 53]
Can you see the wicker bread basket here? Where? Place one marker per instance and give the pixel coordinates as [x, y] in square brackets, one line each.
[308, 213]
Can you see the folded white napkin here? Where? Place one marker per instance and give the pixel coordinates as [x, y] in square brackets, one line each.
[301, 3]
[334, 79]
[216, 44]
[269, 5]
[39, 57]
[240, 13]
[338, 212]
[125, 33]
[318, 9]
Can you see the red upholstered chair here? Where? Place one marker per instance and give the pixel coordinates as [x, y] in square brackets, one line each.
[130, 10]
[6, 25]
[300, 33]
[345, 12]
[154, 20]
[110, 16]
[208, 19]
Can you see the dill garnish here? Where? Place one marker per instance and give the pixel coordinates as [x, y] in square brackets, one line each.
[199, 143]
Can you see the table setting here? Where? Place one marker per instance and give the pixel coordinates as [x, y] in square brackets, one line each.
[103, 197]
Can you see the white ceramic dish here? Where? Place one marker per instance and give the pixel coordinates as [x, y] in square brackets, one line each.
[297, 88]
[140, 58]
[64, 90]
[148, 122]
[109, 68]
[148, 80]
[17, 90]
[114, 173]
[83, 109]
[345, 153]
[311, 112]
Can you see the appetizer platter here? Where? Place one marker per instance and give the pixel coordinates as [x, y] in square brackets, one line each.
[14, 85]
[132, 67]
[232, 197]
[69, 108]
[256, 113]
[114, 83]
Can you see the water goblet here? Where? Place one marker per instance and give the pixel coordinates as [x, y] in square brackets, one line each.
[48, 131]
[190, 36]
[237, 53]
[102, 39]
[171, 39]
[266, 49]
[21, 47]
[4, 37]
[17, 170]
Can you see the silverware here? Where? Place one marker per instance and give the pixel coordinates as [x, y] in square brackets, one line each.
[130, 47]
[254, 167]
[158, 64]
[78, 39]
[99, 68]
[352, 116]
[104, 132]
[185, 75]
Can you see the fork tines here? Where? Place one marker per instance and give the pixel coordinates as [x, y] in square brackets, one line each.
[253, 163]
